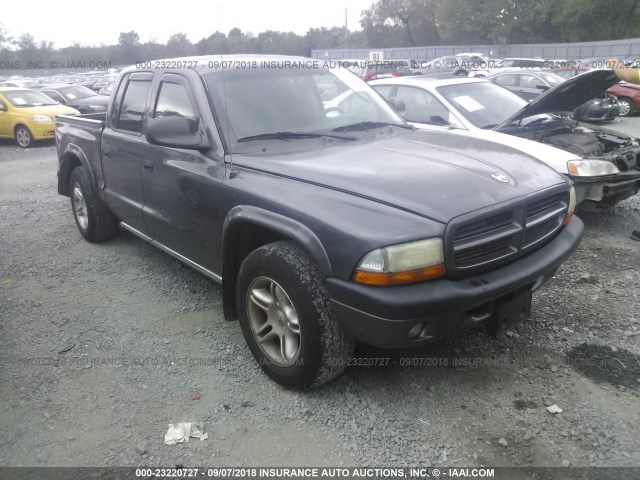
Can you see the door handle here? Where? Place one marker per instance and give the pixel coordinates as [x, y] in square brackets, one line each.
[147, 165]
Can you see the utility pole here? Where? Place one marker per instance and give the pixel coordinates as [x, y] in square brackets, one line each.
[346, 28]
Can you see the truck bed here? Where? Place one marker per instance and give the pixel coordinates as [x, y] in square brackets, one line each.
[81, 135]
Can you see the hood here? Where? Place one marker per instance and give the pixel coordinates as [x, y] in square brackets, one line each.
[567, 96]
[51, 110]
[432, 174]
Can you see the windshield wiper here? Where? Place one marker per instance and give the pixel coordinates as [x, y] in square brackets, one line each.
[364, 126]
[290, 136]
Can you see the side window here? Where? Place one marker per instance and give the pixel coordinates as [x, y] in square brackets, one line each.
[384, 90]
[506, 80]
[529, 81]
[133, 104]
[423, 107]
[173, 101]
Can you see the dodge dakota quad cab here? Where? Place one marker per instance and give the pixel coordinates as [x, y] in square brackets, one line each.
[325, 226]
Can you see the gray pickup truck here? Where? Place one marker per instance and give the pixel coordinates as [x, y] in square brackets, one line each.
[325, 226]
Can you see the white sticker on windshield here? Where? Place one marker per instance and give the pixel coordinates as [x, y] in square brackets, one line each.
[19, 101]
[468, 103]
[71, 96]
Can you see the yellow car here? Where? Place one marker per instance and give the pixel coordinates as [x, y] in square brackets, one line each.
[27, 115]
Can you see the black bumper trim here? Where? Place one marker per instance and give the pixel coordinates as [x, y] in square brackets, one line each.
[383, 316]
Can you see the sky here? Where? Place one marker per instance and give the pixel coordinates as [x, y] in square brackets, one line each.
[100, 22]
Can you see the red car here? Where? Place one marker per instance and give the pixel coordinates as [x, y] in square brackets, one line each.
[628, 98]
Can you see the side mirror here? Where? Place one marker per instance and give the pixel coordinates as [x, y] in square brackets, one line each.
[176, 132]
[3, 107]
[398, 105]
[544, 88]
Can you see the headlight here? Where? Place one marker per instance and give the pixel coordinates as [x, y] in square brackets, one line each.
[400, 264]
[572, 206]
[41, 118]
[97, 107]
[591, 168]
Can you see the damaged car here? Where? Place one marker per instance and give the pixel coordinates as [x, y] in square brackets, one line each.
[603, 164]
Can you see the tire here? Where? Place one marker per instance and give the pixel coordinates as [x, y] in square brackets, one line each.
[282, 300]
[95, 222]
[627, 107]
[23, 136]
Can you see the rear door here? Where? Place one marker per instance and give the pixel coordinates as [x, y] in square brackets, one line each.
[123, 148]
[530, 86]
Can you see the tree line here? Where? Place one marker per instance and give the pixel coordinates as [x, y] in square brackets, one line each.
[387, 23]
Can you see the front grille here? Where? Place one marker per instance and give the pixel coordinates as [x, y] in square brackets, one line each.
[481, 241]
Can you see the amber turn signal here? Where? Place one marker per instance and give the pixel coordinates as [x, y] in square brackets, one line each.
[400, 278]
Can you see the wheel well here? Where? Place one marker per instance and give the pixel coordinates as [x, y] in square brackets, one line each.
[67, 164]
[630, 100]
[15, 129]
[244, 239]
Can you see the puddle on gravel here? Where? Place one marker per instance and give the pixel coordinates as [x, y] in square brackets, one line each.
[599, 362]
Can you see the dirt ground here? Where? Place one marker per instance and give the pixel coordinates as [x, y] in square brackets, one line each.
[102, 346]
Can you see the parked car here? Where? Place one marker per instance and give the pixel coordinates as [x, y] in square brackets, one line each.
[102, 81]
[390, 68]
[603, 164]
[519, 62]
[20, 83]
[452, 65]
[323, 229]
[107, 89]
[78, 97]
[627, 94]
[27, 115]
[529, 84]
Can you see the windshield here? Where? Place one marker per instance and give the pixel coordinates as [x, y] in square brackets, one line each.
[76, 93]
[280, 105]
[485, 104]
[28, 98]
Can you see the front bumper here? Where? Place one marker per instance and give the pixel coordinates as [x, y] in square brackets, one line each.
[383, 316]
[608, 191]
[42, 130]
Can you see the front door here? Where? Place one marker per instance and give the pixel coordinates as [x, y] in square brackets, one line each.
[182, 188]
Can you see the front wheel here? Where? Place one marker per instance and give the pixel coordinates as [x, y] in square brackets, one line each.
[285, 317]
[23, 136]
[95, 222]
[627, 107]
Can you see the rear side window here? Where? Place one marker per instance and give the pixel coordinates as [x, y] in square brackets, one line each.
[506, 80]
[384, 90]
[133, 104]
[173, 100]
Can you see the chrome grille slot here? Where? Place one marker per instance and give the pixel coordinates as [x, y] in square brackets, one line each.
[544, 218]
[485, 240]
[480, 242]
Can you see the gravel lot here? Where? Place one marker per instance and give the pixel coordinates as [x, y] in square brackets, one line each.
[102, 346]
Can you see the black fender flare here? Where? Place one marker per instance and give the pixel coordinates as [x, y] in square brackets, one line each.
[72, 153]
[280, 224]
